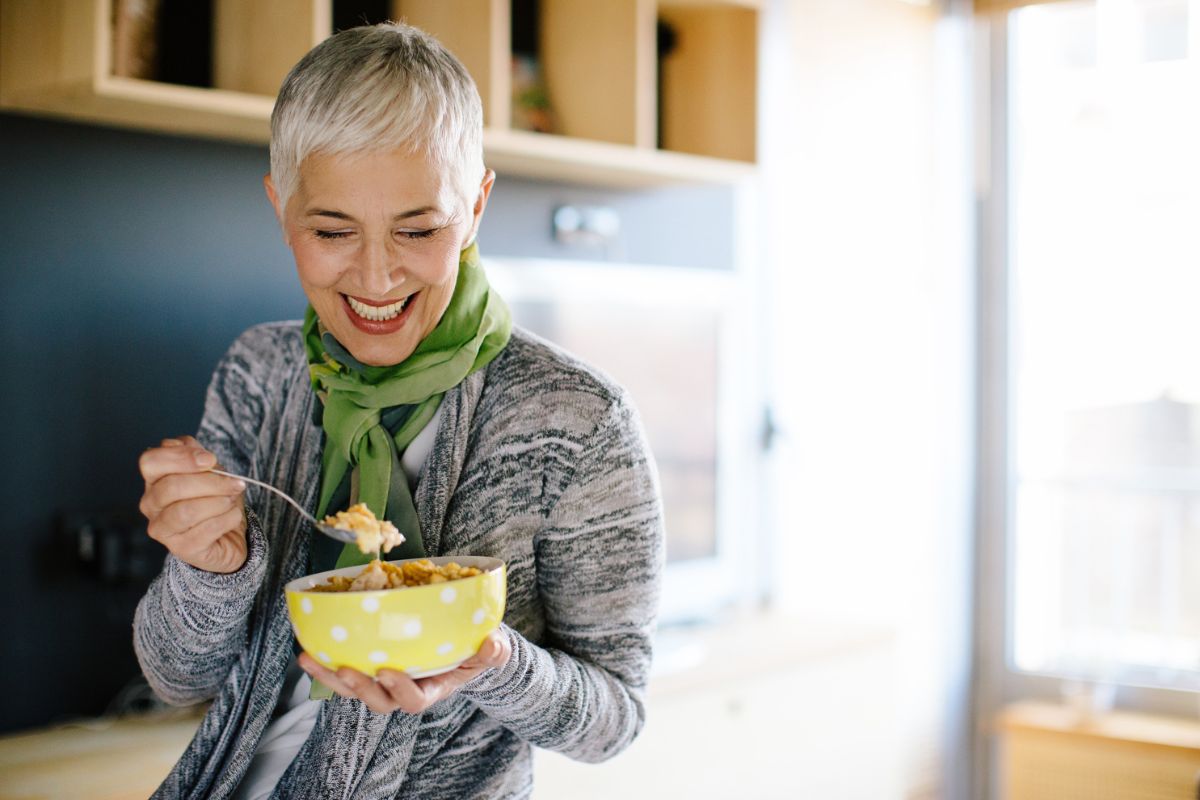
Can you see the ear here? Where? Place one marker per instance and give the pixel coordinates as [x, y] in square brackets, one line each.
[485, 191]
[273, 196]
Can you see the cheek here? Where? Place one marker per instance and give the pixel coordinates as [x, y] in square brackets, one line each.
[444, 270]
[316, 266]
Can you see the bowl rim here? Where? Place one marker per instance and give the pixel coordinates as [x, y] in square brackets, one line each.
[303, 585]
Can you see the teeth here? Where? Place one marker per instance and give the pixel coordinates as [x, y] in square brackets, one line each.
[377, 313]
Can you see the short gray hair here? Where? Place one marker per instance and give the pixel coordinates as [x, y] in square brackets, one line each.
[380, 87]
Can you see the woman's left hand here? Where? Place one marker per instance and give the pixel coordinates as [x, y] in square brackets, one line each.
[392, 691]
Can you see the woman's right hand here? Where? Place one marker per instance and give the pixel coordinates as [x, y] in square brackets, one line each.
[197, 515]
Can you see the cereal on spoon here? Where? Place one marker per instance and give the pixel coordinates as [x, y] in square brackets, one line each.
[375, 535]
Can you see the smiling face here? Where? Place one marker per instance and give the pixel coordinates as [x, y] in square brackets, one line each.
[376, 237]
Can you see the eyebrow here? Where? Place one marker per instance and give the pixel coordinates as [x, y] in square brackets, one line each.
[326, 212]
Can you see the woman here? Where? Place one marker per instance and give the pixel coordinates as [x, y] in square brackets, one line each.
[407, 388]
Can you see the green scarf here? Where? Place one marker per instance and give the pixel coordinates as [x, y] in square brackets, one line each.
[359, 401]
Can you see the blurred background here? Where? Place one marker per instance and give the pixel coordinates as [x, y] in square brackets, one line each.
[905, 292]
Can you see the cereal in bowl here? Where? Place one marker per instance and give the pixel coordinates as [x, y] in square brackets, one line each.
[381, 575]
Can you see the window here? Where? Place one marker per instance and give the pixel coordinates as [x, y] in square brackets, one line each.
[1103, 331]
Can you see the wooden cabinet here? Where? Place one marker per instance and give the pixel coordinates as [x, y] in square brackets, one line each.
[627, 111]
[1051, 753]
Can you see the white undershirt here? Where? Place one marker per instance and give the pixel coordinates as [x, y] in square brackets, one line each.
[286, 734]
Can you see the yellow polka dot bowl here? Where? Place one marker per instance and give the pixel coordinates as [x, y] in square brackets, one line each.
[421, 630]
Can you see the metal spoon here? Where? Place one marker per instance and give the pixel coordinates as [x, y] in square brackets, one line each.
[333, 533]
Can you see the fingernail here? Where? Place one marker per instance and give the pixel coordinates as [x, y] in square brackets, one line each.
[206, 460]
[239, 486]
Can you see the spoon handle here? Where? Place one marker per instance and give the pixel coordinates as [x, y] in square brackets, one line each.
[270, 488]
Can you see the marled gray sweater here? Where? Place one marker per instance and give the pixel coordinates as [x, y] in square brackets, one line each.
[540, 461]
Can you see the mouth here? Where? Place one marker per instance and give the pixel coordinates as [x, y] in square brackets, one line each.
[376, 313]
[378, 317]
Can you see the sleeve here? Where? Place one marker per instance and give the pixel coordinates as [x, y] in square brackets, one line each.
[599, 565]
[191, 625]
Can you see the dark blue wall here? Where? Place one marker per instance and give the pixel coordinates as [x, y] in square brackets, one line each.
[130, 261]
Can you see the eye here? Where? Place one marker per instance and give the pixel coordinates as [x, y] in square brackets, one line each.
[425, 234]
[320, 234]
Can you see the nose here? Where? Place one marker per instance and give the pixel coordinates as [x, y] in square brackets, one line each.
[379, 268]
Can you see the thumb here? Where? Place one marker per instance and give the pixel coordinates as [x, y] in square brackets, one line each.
[495, 651]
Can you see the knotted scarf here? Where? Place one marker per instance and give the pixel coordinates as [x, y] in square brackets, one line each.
[371, 414]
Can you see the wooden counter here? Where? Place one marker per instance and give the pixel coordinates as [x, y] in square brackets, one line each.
[118, 759]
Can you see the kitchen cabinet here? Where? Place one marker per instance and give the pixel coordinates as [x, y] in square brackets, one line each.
[622, 115]
[1052, 752]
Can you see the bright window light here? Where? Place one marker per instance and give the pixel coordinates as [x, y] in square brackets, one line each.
[1105, 319]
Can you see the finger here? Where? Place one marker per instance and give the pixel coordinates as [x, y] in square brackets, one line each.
[438, 687]
[408, 694]
[192, 441]
[217, 545]
[159, 461]
[186, 486]
[182, 516]
[494, 652]
[349, 683]
[201, 539]
[171, 443]
[319, 672]
[228, 553]
[368, 690]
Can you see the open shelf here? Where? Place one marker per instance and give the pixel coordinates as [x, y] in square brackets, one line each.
[562, 158]
[623, 113]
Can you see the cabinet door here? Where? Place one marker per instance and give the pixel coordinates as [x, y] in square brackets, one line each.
[478, 33]
[255, 44]
[598, 61]
[708, 85]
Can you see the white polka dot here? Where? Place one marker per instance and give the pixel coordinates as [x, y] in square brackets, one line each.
[443, 649]
[306, 605]
[324, 657]
[338, 633]
[448, 594]
[478, 617]
[378, 656]
[412, 627]
[370, 604]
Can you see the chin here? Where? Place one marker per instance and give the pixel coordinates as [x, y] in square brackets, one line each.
[379, 356]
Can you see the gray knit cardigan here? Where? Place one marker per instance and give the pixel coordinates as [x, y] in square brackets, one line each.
[539, 460]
